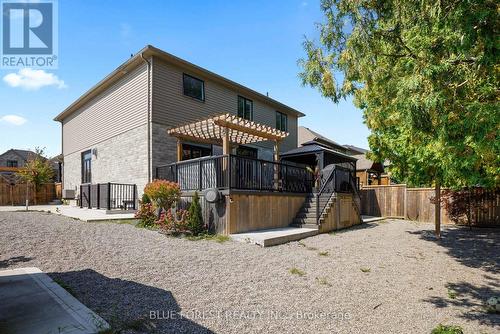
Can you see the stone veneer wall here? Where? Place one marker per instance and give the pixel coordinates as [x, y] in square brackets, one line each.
[120, 159]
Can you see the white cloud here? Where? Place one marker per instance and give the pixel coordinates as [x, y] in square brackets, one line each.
[13, 119]
[30, 79]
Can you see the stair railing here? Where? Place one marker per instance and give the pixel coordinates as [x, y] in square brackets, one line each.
[327, 186]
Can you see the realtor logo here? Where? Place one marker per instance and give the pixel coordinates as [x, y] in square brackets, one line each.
[29, 34]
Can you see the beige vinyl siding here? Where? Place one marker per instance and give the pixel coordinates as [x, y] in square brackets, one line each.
[172, 108]
[120, 108]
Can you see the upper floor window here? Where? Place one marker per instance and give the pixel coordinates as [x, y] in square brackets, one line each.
[281, 121]
[12, 163]
[245, 108]
[193, 87]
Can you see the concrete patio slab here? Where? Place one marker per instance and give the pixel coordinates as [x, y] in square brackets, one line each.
[33, 303]
[275, 236]
[85, 214]
[369, 219]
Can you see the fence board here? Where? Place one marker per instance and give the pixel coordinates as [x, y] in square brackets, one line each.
[415, 204]
[16, 194]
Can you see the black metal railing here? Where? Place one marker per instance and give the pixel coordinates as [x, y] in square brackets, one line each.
[236, 172]
[339, 180]
[108, 196]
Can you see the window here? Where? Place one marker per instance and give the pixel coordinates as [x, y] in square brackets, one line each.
[193, 87]
[247, 152]
[11, 163]
[281, 121]
[245, 108]
[86, 166]
[192, 151]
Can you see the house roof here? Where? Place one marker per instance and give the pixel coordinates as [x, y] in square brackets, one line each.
[356, 149]
[364, 163]
[306, 135]
[311, 148]
[150, 51]
[23, 154]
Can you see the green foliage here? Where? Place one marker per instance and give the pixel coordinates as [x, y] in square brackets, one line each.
[296, 271]
[425, 74]
[219, 238]
[145, 199]
[195, 216]
[445, 329]
[37, 170]
[162, 193]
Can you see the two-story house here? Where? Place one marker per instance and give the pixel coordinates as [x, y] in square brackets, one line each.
[117, 131]
[157, 111]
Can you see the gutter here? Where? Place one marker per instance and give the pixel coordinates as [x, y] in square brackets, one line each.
[149, 115]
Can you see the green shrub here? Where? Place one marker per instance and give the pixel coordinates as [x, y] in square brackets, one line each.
[162, 193]
[145, 199]
[445, 329]
[195, 216]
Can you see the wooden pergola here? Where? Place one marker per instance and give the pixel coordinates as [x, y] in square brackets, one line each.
[225, 130]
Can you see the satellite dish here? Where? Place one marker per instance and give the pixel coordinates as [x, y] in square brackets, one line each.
[212, 195]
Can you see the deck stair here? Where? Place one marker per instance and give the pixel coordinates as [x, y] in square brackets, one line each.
[306, 217]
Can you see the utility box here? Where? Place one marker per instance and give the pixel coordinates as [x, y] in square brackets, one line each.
[68, 194]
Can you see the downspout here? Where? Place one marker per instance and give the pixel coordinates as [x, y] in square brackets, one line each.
[149, 116]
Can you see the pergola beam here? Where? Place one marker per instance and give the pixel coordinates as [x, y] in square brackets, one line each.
[214, 131]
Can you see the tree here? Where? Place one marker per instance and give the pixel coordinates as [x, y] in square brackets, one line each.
[195, 216]
[36, 172]
[425, 74]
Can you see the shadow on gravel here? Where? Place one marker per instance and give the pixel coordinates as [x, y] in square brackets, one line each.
[13, 260]
[473, 298]
[476, 248]
[127, 305]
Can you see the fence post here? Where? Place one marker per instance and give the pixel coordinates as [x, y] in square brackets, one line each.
[199, 175]
[134, 190]
[405, 203]
[109, 196]
[260, 174]
[81, 197]
[90, 196]
[98, 196]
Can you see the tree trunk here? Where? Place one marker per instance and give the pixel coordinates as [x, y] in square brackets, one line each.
[437, 209]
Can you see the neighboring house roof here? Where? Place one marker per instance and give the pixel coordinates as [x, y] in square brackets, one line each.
[356, 150]
[23, 154]
[306, 135]
[57, 158]
[149, 51]
[312, 147]
[364, 163]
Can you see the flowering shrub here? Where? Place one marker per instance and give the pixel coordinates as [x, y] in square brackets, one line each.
[147, 214]
[162, 193]
[174, 221]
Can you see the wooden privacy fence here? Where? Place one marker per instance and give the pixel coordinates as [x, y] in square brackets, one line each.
[16, 194]
[399, 201]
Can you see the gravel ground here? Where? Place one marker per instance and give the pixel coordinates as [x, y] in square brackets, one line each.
[386, 277]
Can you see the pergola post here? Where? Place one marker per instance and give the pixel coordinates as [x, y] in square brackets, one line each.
[276, 167]
[179, 150]
[276, 150]
[226, 144]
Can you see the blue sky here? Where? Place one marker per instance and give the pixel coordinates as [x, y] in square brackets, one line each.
[255, 43]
